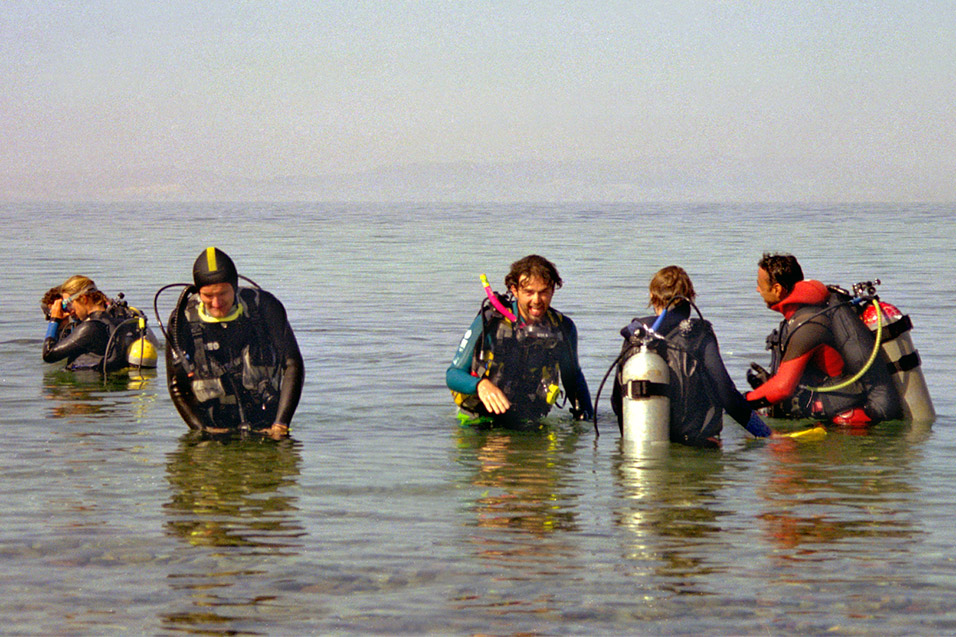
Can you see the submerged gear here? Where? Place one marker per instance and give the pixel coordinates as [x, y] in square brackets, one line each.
[214, 266]
[244, 372]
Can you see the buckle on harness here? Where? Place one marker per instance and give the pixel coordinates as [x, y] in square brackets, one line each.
[640, 389]
[905, 363]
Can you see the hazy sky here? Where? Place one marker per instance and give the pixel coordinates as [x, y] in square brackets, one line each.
[637, 100]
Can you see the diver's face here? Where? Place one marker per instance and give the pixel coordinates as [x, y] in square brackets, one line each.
[534, 298]
[771, 293]
[78, 308]
[217, 298]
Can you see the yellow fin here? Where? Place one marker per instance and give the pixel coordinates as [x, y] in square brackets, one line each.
[813, 433]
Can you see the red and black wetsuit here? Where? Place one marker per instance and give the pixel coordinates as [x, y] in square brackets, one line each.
[822, 341]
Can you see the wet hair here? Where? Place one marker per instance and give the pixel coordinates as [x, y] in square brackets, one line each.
[533, 266]
[79, 286]
[781, 268]
[214, 266]
[51, 295]
[49, 298]
[668, 283]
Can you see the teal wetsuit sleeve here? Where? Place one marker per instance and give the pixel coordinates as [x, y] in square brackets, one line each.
[458, 376]
[576, 389]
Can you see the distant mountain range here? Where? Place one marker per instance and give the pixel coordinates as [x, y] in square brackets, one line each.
[653, 179]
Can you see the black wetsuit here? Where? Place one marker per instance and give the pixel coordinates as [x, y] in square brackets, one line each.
[245, 371]
[83, 347]
[721, 393]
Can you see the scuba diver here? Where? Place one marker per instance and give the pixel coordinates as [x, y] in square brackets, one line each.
[92, 332]
[510, 362]
[698, 387]
[51, 296]
[232, 361]
[825, 362]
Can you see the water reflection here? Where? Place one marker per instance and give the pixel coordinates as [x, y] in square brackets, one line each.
[86, 393]
[522, 520]
[232, 509]
[671, 508]
[852, 485]
[522, 475]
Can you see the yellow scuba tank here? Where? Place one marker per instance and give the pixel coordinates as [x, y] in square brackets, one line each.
[144, 351]
[142, 348]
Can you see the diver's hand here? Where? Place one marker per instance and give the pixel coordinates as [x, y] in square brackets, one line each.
[57, 312]
[580, 413]
[492, 397]
[278, 431]
[757, 375]
[583, 414]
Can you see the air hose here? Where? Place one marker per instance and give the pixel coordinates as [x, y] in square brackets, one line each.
[869, 363]
[140, 319]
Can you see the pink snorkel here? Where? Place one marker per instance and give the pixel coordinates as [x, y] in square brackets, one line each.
[508, 314]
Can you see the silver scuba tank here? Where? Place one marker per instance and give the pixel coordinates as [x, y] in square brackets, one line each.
[904, 361]
[645, 405]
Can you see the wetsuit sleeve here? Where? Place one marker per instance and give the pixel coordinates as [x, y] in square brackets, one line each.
[87, 336]
[180, 391]
[801, 347]
[783, 384]
[728, 396]
[757, 426]
[293, 367]
[575, 385]
[458, 375]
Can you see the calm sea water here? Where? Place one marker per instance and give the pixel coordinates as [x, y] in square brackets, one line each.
[381, 515]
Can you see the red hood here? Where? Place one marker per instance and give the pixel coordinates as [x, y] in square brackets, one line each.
[804, 293]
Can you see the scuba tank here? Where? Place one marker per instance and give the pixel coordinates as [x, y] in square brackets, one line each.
[645, 407]
[130, 344]
[645, 375]
[144, 351]
[904, 360]
[136, 340]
